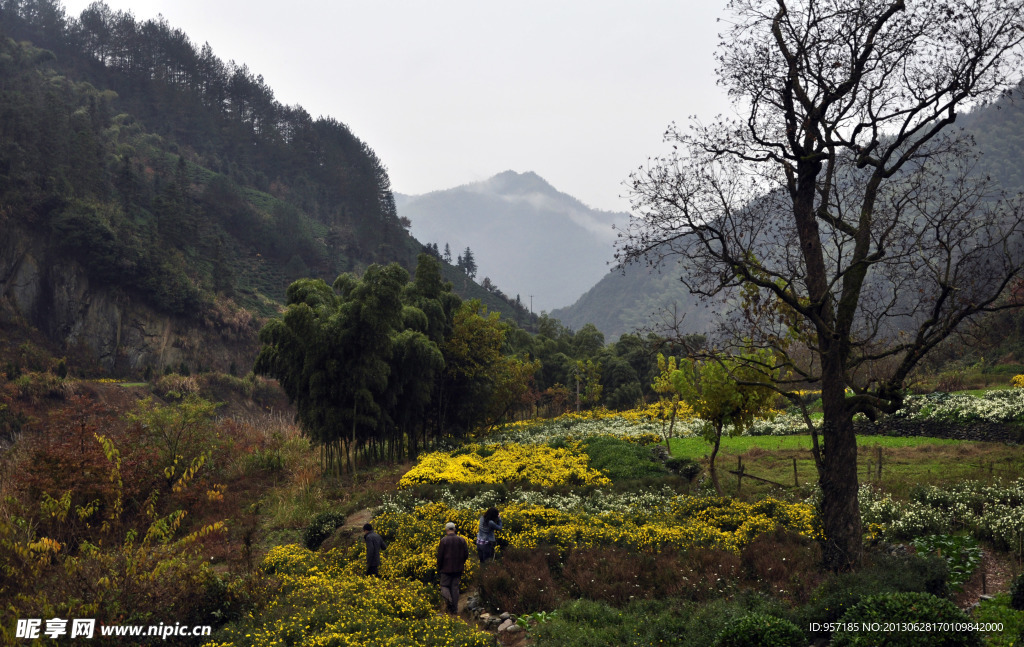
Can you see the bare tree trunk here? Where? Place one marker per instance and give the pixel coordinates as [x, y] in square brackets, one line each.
[840, 511]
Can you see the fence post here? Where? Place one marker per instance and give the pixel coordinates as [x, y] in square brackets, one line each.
[796, 479]
[879, 463]
[739, 475]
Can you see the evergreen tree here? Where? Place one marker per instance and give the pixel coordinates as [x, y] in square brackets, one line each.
[467, 263]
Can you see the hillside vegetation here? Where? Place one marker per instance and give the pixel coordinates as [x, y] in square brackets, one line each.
[176, 182]
[173, 174]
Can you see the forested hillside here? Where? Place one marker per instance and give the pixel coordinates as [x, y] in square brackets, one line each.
[166, 169]
[174, 180]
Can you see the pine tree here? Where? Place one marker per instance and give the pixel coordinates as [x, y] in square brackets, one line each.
[468, 263]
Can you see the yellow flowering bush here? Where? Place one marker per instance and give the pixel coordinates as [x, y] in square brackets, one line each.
[653, 412]
[685, 522]
[514, 463]
[1017, 382]
[689, 522]
[320, 603]
[411, 539]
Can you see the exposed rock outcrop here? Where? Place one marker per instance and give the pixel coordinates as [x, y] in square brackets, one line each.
[52, 292]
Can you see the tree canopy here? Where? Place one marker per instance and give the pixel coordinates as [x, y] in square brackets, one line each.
[727, 394]
[841, 201]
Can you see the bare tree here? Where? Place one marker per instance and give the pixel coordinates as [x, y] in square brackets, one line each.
[837, 212]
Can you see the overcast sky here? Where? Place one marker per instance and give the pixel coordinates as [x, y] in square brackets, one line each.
[448, 92]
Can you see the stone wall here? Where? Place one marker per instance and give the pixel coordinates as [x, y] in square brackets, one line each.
[982, 431]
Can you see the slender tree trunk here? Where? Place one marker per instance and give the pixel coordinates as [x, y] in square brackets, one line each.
[348, 454]
[672, 423]
[711, 463]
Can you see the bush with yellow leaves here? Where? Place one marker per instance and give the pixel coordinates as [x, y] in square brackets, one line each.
[320, 600]
[514, 463]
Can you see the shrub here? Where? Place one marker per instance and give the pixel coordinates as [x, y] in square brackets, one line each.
[950, 381]
[175, 386]
[522, 581]
[618, 576]
[106, 563]
[540, 465]
[997, 611]
[584, 623]
[840, 593]
[33, 387]
[11, 422]
[711, 619]
[761, 630]
[961, 554]
[611, 575]
[685, 467]
[910, 607]
[322, 527]
[319, 601]
[1017, 593]
[181, 433]
[707, 573]
[783, 563]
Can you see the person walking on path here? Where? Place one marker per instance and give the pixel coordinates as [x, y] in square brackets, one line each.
[452, 553]
[374, 544]
[485, 540]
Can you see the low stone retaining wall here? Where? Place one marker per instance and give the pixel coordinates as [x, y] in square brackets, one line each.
[981, 431]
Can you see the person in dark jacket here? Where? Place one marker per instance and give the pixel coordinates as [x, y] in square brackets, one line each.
[374, 544]
[452, 553]
[485, 540]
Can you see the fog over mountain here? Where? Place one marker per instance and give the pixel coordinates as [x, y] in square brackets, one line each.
[525, 235]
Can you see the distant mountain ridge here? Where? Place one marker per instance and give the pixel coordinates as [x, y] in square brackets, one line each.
[526, 236]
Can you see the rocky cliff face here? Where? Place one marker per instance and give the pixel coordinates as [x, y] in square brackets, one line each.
[51, 292]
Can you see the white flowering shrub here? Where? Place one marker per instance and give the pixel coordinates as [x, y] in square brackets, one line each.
[989, 512]
[595, 502]
[1005, 405]
[545, 432]
[901, 519]
[783, 424]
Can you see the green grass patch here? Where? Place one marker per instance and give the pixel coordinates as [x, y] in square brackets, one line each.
[622, 460]
[906, 462]
[697, 447]
[648, 622]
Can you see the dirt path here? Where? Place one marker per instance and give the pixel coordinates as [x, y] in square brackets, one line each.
[356, 520]
[996, 572]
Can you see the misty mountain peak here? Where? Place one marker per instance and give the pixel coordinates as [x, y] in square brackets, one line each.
[527, 237]
[510, 182]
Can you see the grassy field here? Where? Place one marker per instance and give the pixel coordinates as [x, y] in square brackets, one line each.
[906, 462]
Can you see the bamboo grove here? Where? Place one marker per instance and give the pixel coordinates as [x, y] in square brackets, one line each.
[379, 367]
